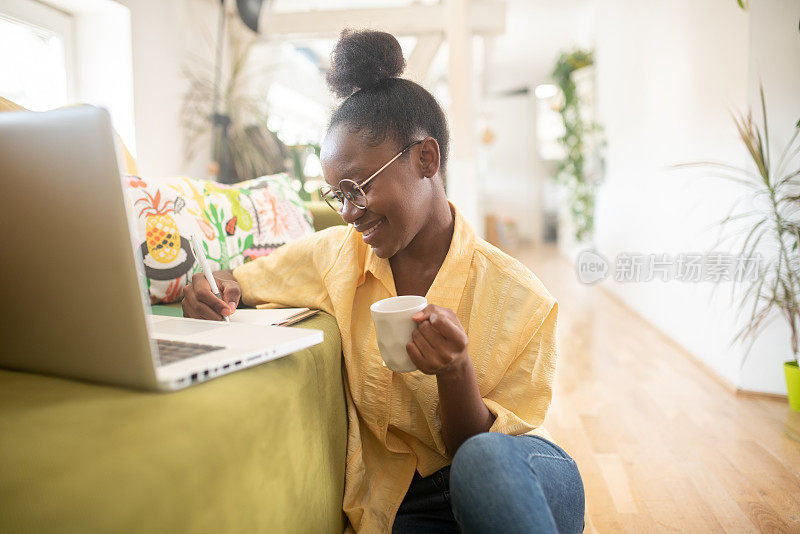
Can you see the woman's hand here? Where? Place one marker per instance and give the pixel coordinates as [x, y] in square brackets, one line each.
[438, 345]
[200, 303]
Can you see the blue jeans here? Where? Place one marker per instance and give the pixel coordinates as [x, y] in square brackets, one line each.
[497, 483]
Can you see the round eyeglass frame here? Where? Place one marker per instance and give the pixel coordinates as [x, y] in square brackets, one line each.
[350, 196]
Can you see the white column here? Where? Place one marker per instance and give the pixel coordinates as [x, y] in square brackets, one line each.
[462, 175]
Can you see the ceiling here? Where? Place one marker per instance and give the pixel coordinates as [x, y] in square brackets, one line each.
[536, 32]
[305, 5]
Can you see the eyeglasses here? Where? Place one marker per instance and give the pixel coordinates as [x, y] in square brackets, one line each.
[351, 191]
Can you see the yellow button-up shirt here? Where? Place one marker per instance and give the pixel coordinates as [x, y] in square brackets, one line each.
[394, 422]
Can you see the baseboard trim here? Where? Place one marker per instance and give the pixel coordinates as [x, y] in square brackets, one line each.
[700, 364]
[750, 393]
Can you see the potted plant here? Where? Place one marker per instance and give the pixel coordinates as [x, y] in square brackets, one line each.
[581, 145]
[250, 149]
[774, 224]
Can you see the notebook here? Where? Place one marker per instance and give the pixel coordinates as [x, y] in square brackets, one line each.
[275, 317]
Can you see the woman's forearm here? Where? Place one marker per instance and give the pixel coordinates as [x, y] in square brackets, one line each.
[463, 411]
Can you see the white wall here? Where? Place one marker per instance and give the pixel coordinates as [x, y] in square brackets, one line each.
[667, 75]
[775, 61]
[164, 34]
[103, 58]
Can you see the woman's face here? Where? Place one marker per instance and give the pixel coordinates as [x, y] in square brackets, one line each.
[399, 198]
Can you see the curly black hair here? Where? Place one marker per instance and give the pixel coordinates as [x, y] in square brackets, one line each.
[365, 70]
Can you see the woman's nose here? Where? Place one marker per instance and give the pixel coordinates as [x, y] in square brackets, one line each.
[350, 212]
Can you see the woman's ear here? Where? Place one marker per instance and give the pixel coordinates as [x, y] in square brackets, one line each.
[429, 157]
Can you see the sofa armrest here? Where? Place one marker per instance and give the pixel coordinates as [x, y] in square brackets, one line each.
[259, 450]
[323, 215]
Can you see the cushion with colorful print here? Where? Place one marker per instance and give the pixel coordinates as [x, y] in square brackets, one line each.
[235, 223]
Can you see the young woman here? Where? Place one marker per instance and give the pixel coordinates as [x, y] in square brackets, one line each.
[457, 445]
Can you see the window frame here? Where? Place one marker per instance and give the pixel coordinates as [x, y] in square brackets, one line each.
[45, 17]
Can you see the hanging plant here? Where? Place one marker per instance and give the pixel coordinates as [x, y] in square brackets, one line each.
[571, 172]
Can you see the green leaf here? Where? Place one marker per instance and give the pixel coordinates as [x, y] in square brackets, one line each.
[570, 171]
[248, 242]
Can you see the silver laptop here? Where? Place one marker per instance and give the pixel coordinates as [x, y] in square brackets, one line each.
[75, 304]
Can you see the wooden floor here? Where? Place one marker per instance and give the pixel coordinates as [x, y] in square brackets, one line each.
[661, 445]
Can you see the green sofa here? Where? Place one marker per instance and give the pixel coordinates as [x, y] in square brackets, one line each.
[259, 450]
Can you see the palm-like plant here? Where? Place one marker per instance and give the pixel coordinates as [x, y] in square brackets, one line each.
[253, 150]
[775, 227]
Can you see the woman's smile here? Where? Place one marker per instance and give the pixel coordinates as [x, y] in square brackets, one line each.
[368, 234]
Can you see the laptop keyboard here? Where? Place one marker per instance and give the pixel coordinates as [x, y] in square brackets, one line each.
[173, 351]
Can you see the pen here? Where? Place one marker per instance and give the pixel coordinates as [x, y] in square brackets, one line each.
[197, 248]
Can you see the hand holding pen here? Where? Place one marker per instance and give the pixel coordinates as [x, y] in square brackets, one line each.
[210, 297]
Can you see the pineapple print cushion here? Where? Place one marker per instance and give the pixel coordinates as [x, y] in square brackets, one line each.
[238, 223]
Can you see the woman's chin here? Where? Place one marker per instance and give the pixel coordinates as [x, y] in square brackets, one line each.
[383, 251]
[380, 251]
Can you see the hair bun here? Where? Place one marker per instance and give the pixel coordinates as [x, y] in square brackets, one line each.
[363, 59]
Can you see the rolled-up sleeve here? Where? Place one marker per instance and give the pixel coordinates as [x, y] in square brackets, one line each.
[293, 274]
[521, 399]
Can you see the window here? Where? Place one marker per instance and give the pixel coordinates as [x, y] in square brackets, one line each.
[70, 51]
[36, 47]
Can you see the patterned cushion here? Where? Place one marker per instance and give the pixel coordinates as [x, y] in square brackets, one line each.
[236, 223]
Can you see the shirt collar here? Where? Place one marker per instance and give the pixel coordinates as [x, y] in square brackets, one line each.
[451, 279]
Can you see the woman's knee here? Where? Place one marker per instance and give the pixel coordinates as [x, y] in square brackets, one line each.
[477, 445]
[492, 489]
[531, 480]
[483, 455]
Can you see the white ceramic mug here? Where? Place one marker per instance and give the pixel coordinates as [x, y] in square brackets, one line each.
[393, 328]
